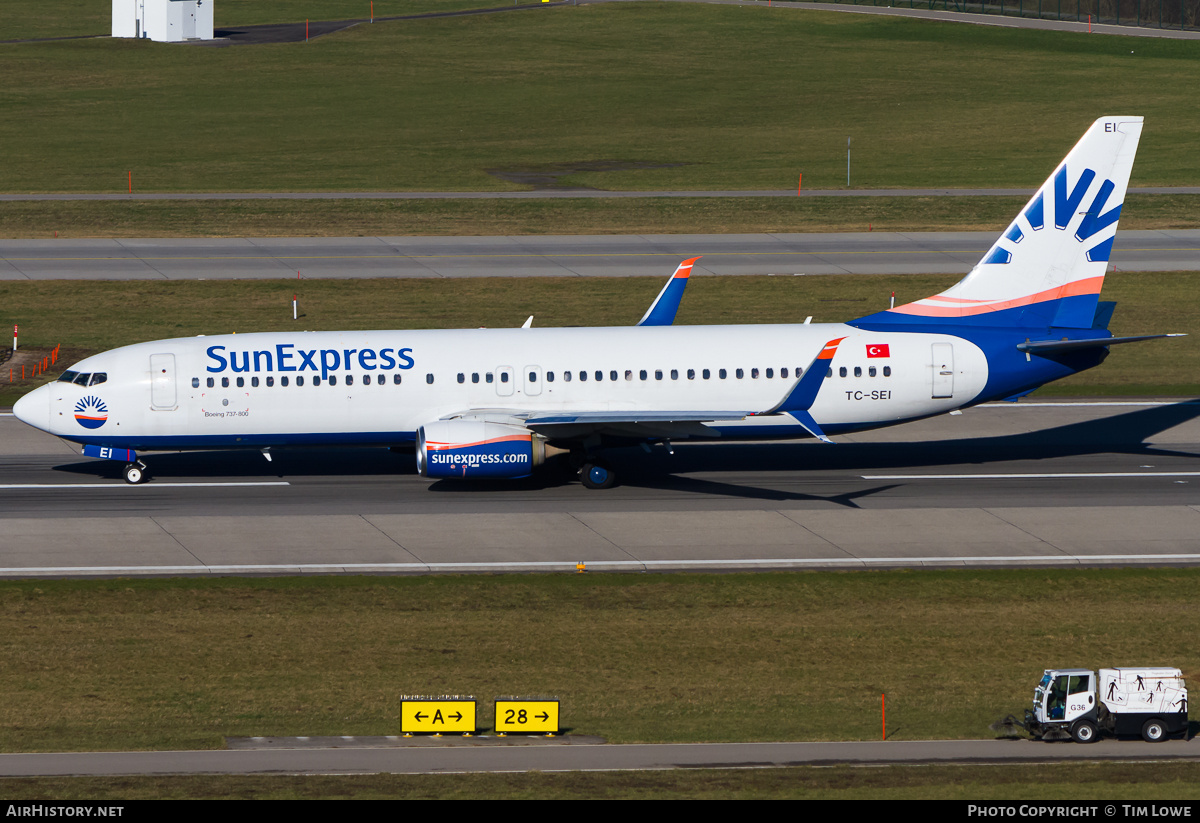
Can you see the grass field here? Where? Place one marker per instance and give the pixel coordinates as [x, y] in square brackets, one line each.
[387, 218]
[1066, 781]
[150, 664]
[720, 97]
[80, 18]
[86, 317]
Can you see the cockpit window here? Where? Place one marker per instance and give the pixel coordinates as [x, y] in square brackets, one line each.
[98, 378]
[81, 379]
[68, 377]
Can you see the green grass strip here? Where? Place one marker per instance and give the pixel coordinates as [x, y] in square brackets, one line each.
[85, 317]
[154, 664]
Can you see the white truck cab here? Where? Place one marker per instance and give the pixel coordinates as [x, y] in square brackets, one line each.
[1150, 701]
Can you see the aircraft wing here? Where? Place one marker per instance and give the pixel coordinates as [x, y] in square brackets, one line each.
[669, 423]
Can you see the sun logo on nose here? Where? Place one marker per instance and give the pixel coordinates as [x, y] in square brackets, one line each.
[91, 412]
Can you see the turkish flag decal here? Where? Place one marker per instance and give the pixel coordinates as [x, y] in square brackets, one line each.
[878, 350]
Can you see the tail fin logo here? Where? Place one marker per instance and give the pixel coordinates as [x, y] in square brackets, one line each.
[1065, 211]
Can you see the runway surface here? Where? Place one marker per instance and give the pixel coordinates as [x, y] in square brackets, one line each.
[422, 756]
[552, 256]
[999, 485]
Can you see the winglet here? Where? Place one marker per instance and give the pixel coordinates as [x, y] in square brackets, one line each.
[804, 393]
[662, 310]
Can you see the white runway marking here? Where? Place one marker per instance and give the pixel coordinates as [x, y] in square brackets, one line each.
[138, 486]
[1057, 476]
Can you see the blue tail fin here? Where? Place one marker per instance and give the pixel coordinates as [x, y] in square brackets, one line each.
[1047, 268]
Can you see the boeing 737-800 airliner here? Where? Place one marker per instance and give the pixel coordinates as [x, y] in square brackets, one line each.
[493, 403]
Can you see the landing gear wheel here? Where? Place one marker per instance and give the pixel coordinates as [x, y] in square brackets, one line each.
[135, 473]
[597, 475]
[1084, 731]
[1154, 731]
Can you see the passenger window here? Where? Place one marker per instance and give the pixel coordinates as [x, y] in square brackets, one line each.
[300, 380]
[503, 377]
[271, 381]
[333, 379]
[349, 380]
[858, 371]
[533, 377]
[316, 381]
[887, 371]
[486, 377]
[224, 382]
[870, 371]
[691, 374]
[429, 378]
[642, 375]
[612, 375]
[583, 376]
[754, 374]
[474, 377]
[254, 382]
[658, 374]
[740, 374]
[195, 382]
[770, 373]
[599, 376]
[829, 374]
[782, 373]
[549, 377]
[842, 371]
[567, 376]
[283, 381]
[629, 374]
[706, 374]
[366, 379]
[722, 374]
[674, 374]
[396, 379]
[241, 382]
[462, 378]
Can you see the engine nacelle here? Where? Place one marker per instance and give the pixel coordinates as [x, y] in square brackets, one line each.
[478, 449]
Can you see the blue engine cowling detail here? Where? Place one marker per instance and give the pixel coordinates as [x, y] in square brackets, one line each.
[477, 449]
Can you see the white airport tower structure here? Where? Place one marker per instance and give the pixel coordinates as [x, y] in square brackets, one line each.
[168, 21]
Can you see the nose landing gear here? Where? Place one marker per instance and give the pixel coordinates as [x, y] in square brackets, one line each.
[135, 473]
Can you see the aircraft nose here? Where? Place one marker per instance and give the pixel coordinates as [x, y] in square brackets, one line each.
[34, 408]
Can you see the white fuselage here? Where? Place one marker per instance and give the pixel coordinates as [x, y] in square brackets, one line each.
[379, 387]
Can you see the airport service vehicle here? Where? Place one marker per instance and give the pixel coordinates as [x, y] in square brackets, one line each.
[496, 403]
[1151, 702]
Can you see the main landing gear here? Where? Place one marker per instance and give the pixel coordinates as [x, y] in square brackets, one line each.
[594, 471]
[596, 474]
[135, 473]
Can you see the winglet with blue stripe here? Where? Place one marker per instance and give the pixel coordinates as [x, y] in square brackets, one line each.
[662, 310]
[802, 396]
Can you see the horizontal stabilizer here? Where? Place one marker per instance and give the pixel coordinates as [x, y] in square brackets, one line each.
[1064, 345]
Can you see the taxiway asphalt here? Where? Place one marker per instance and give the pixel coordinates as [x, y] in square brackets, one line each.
[553, 256]
[999, 485]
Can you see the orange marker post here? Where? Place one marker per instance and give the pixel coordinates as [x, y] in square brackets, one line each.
[883, 704]
[800, 184]
[131, 182]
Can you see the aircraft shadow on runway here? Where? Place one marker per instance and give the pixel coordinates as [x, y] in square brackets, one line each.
[1119, 434]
